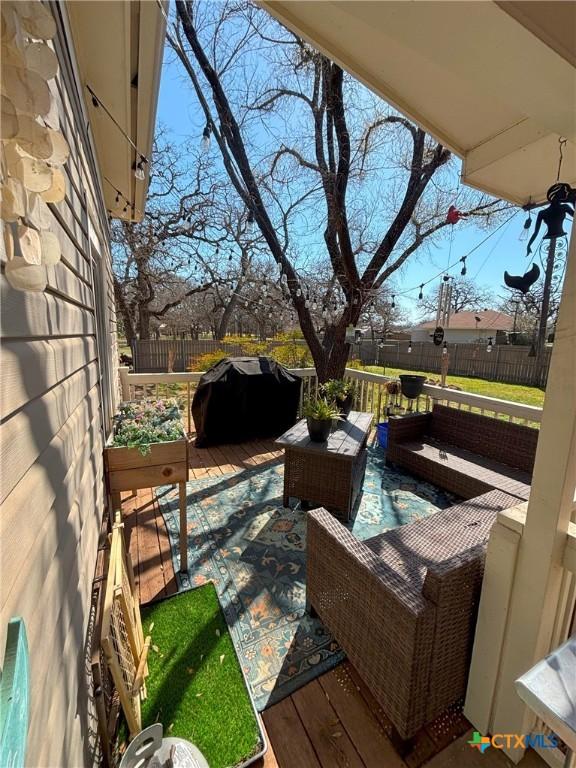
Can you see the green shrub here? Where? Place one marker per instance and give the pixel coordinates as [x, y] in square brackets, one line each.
[293, 355]
[254, 348]
[295, 333]
[207, 360]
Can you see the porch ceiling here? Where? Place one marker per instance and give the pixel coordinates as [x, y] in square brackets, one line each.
[118, 47]
[494, 81]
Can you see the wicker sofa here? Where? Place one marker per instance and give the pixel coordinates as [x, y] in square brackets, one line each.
[464, 452]
[403, 605]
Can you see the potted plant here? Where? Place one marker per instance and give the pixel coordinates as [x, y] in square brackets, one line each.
[340, 392]
[412, 385]
[319, 414]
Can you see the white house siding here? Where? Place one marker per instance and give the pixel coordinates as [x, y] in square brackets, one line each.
[51, 487]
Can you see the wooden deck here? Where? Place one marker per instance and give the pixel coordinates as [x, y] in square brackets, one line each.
[333, 722]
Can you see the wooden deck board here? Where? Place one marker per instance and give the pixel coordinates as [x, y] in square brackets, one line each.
[288, 737]
[361, 724]
[329, 738]
[334, 720]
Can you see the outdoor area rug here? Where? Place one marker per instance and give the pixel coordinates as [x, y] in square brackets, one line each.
[253, 549]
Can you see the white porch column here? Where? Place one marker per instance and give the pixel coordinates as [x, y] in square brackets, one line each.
[535, 591]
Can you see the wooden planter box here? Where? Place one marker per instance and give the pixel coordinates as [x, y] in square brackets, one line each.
[165, 464]
[127, 469]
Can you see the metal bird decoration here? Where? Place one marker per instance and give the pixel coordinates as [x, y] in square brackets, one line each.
[524, 282]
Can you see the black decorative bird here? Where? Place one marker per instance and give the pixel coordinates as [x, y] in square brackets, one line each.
[524, 282]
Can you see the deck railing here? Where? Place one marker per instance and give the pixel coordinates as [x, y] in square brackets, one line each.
[371, 394]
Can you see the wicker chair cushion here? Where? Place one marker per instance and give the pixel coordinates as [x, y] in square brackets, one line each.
[488, 471]
[510, 444]
[416, 551]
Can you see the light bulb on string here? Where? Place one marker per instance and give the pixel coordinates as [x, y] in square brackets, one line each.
[139, 172]
[525, 231]
[445, 348]
[421, 294]
[409, 347]
[250, 221]
[205, 143]
[489, 346]
[393, 304]
[463, 270]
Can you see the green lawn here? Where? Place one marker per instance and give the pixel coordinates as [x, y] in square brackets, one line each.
[515, 392]
[195, 686]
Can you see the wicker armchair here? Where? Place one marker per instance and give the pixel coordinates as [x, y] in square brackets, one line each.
[403, 605]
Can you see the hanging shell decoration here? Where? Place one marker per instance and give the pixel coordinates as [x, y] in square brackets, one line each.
[32, 146]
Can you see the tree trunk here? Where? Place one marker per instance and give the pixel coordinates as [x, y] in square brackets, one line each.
[331, 362]
[124, 310]
[222, 328]
[143, 323]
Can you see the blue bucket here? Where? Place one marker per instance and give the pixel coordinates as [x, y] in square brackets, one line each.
[382, 434]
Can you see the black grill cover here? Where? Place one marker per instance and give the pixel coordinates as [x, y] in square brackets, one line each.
[242, 398]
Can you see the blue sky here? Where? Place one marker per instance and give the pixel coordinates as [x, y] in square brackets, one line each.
[179, 113]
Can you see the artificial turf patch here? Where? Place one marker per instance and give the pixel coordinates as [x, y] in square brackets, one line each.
[195, 686]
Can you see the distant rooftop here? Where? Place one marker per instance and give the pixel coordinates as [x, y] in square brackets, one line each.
[488, 318]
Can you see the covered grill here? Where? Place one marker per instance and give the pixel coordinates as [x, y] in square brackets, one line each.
[242, 398]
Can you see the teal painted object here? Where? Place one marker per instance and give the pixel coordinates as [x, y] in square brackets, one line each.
[14, 697]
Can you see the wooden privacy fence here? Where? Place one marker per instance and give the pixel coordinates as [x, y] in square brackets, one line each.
[160, 355]
[123, 643]
[507, 363]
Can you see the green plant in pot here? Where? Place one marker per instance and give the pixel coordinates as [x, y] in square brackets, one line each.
[340, 392]
[319, 414]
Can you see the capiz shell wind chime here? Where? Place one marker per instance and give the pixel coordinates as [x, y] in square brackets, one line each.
[32, 146]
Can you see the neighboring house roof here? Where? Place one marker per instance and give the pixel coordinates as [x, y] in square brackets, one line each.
[489, 319]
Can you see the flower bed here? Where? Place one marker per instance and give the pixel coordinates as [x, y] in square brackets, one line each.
[148, 446]
[140, 424]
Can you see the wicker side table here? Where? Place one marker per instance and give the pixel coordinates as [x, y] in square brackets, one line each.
[327, 474]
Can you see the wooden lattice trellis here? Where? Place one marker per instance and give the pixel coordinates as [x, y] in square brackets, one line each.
[123, 642]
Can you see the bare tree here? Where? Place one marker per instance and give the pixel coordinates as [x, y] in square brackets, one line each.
[325, 135]
[192, 241]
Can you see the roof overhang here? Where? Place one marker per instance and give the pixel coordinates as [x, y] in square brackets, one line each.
[118, 47]
[494, 81]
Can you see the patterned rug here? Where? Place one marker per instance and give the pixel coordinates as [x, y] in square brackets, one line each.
[254, 550]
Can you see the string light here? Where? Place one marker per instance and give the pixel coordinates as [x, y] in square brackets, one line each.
[463, 270]
[421, 295]
[410, 346]
[206, 135]
[139, 172]
[525, 231]
[393, 302]
[120, 197]
[409, 291]
[445, 348]
[489, 347]
[97, 102]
